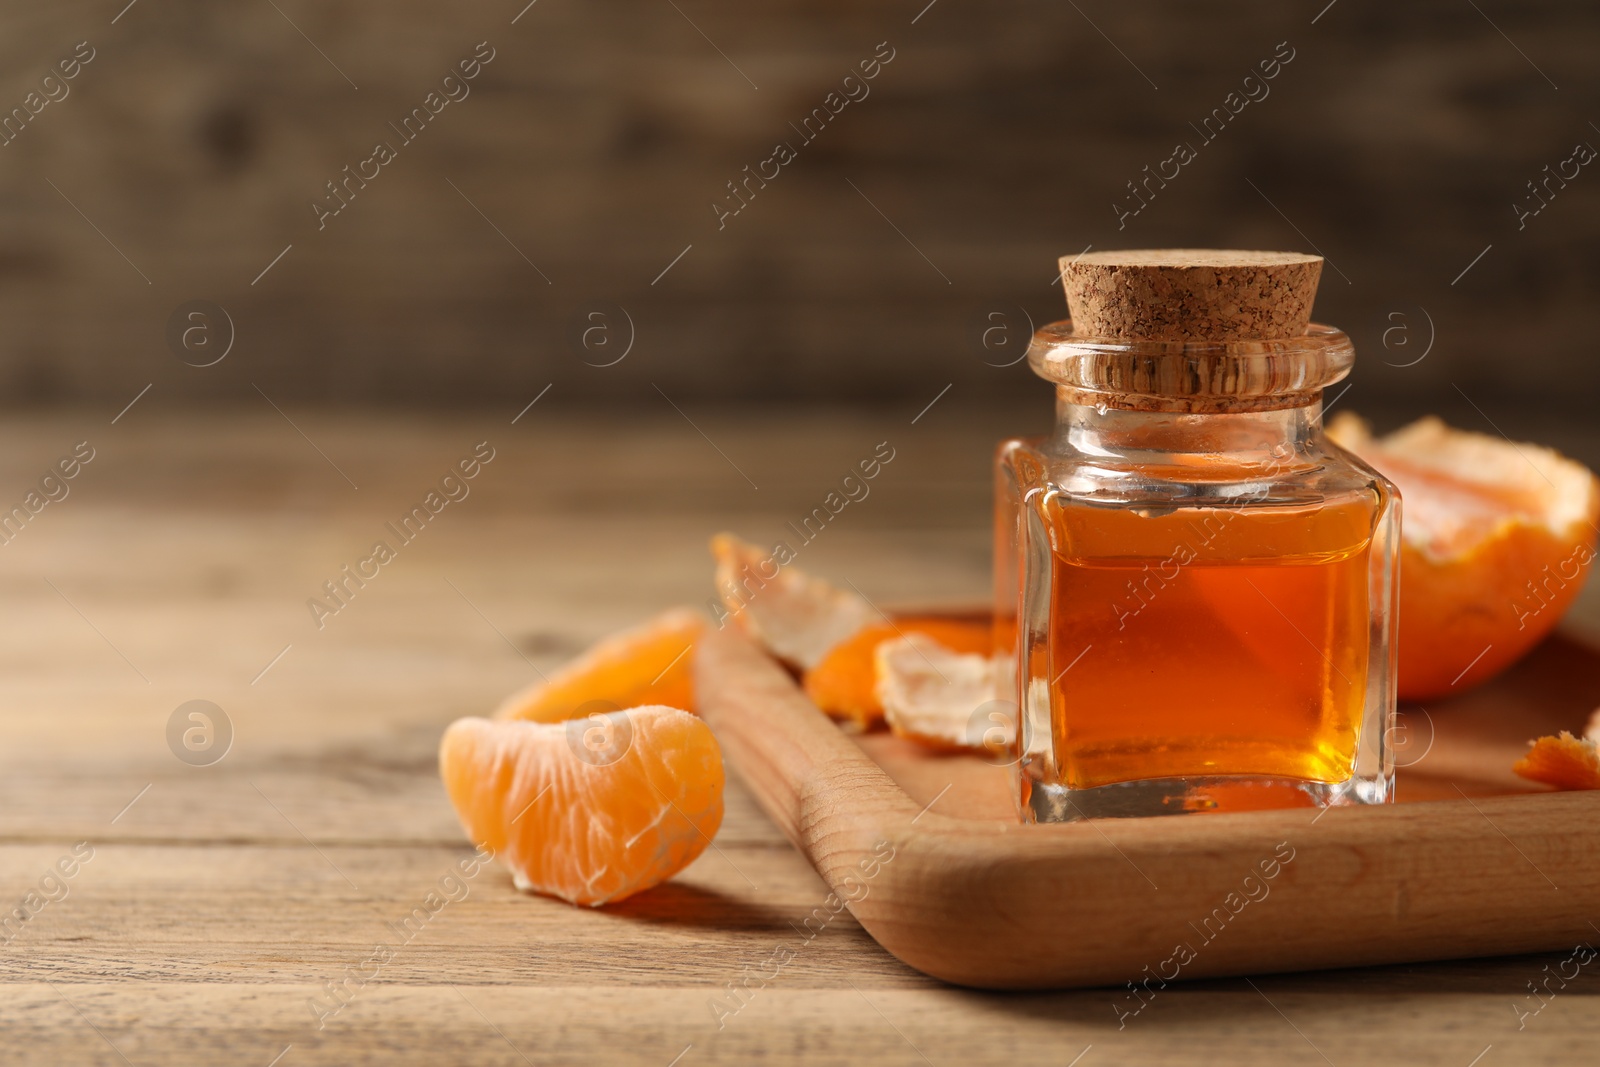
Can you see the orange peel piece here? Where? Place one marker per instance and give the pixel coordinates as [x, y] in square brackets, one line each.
[934, 694]
[1496, 538]
[844, 683]
[1565, 762]
[797, 618]
[648, 664]
[588, 811]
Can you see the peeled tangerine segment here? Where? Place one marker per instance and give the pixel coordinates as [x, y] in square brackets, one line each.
[1496, 539]
[649, 664]
[844, 683]
[591, 810]
[938, 696]
[796, 617]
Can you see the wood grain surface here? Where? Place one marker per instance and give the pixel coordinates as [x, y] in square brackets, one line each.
[220, 900]
[1400, 141]
[947, 879]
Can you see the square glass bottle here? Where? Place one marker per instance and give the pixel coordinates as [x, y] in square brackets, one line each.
[1195, 588]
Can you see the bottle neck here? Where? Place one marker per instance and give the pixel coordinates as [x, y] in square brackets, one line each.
[1192, 376]
[1157, 437]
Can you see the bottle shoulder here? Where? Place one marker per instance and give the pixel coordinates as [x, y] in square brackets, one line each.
[1316, 471]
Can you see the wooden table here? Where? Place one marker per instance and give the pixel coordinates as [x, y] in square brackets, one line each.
[219, 900]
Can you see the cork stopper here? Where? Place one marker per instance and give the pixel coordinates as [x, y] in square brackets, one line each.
[1178, 294]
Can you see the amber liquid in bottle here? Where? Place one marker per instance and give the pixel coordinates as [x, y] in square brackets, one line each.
[1202, 584]
[1206, 641]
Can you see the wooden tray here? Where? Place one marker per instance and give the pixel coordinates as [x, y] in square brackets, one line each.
[927, 853]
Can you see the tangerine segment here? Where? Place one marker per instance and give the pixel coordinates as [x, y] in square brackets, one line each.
[591, 810]
[1565, 762]
[844, 683]
[796, 617]
[1496, 539]
[649, 664]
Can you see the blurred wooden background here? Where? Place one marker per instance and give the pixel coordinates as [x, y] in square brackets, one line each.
[590, 151]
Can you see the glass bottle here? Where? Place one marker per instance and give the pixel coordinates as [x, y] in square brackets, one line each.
[1195, 587]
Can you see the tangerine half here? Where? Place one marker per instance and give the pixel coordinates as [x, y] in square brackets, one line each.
[1496, 538]
[590, 810]
[649, 664]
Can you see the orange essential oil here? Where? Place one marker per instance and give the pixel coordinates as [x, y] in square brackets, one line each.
[1196, 588]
